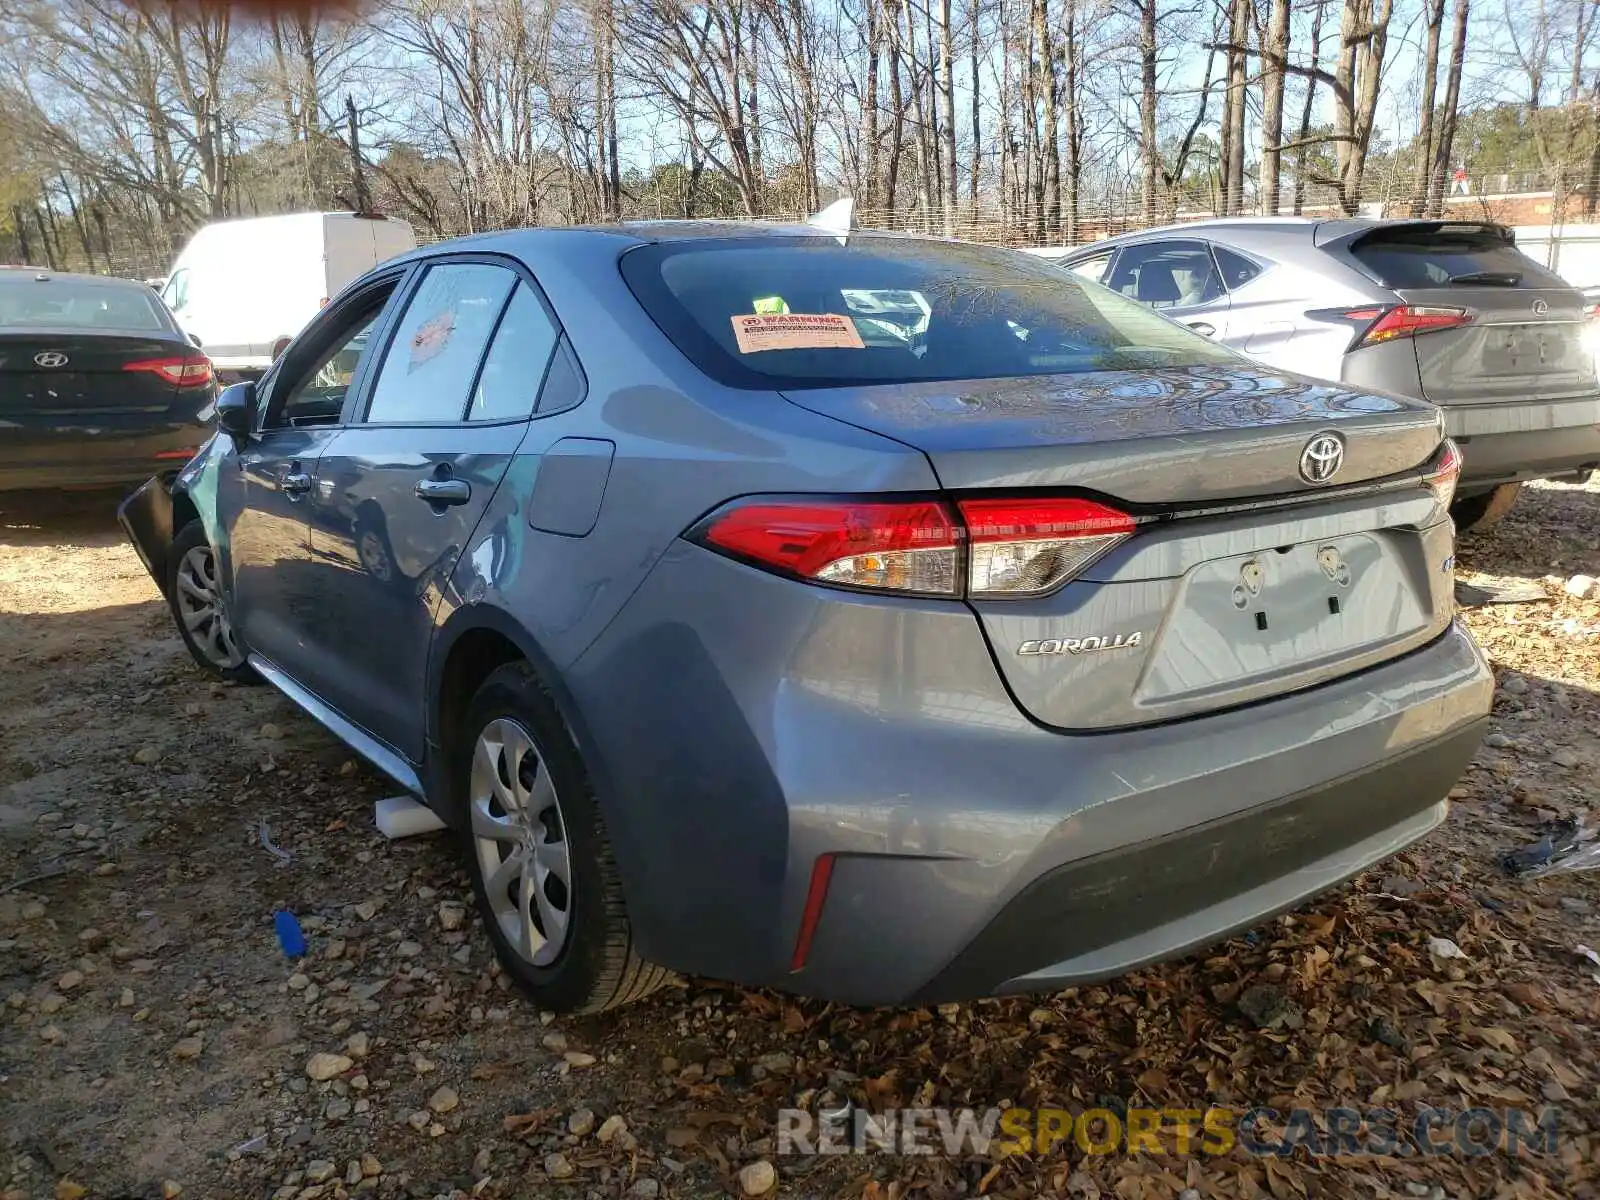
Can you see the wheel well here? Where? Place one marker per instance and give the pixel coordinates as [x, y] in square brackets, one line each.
[183, 511]
[474, 656]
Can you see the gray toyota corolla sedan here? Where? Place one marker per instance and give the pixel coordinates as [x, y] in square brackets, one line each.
[869, 617]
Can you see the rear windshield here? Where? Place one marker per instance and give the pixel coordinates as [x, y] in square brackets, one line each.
[1467, 256]
[31, 303]
[808, 312]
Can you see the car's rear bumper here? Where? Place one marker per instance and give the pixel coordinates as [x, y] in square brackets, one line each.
[1504, 443]
[973, 851]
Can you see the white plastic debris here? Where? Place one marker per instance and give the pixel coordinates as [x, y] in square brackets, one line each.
[404, 816]
[1444, 948]
[1584, 587]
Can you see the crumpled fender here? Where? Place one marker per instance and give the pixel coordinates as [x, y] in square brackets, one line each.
[148, 516]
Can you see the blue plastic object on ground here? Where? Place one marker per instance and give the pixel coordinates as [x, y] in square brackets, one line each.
[289, 935]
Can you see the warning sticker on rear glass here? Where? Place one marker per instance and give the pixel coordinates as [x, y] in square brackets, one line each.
[756, 332]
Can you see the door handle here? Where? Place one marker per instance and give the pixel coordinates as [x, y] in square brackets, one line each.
[1203, 328]
[296, 483]
[444, 491]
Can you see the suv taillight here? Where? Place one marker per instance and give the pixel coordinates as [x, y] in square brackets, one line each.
[1441, 478]
[193, 370]
[1385, 324]
[984, 548]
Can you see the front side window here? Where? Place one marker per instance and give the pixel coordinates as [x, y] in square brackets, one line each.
[1092, 269]
[428, 372]
[176, 292]
[317, 396]
[807, 312]
[1167, 275]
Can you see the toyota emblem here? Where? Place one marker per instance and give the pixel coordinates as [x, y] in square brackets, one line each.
[1321, 459]
[50, 358]
[1540, 307]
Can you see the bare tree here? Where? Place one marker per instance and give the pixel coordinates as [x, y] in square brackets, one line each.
[1275, 57]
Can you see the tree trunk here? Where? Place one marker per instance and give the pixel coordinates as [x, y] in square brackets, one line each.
[77, 221]
[947, 106]
[358, 172]
[1276, 56]
[869, 110]
[1433, 13]
[1363, 38]
[44, 236]
[1074, 165]
[1300, 172]
[1447, 117]
[1233, 112]
[977, 114]
[1049, 144]
[897, 131]
[1149, 147]
[20, 223]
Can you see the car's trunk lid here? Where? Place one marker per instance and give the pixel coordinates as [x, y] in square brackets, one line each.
[1192, 434]
[1242, 579]
[54, 373]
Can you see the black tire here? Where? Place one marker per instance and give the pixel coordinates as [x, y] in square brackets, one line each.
[204, 649]
[1482, 512]
[596, 967]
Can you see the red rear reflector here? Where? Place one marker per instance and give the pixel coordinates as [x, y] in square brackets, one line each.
[1408, 320]
[186, 453]
[816, 895]
[904, 547]
[1028, 547]
[193, 370]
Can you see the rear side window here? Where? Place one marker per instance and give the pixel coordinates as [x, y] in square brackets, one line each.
[55, 303]
[1237, 270]
[1449, 256]
[808, 312]
[430, 365]
[515, 364]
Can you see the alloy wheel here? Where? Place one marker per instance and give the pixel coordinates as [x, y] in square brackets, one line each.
[520, 840]
[201, 608]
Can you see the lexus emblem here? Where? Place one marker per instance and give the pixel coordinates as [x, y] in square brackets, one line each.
[1321, 459]
[50, 358]
[1540, 307]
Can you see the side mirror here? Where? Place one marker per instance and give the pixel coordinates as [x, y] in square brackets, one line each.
[194, 339]
[236, 410]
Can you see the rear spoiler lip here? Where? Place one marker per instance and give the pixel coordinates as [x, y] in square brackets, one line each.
[1345, 233]
[1403, 481]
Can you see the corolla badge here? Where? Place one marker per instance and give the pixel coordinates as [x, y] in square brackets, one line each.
[50, 358]
[1321, 459]
[1108, 641]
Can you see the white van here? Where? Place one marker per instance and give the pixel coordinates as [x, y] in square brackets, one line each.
[239, 287]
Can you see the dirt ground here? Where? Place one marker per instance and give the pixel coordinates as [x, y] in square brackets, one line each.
[155, 1041]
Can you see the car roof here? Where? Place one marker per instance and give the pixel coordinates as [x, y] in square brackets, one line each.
[25, 276]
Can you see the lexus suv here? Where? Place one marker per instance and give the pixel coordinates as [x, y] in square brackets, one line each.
[870, 617]
[1447, 311]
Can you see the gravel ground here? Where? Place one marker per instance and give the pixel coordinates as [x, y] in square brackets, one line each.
[155, 1042]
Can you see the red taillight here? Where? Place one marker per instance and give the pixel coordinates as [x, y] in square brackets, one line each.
[902, 547]
[816, 895]
[1008, 547]
[1407, 320]
[186, 453]
[1442, 476]
[192, 370]
[1026, 547]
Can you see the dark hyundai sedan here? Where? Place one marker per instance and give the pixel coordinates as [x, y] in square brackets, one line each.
[98, 385]
[877, 618]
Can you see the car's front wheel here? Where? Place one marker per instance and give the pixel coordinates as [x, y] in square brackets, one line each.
[199, 606]
[537, 851]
